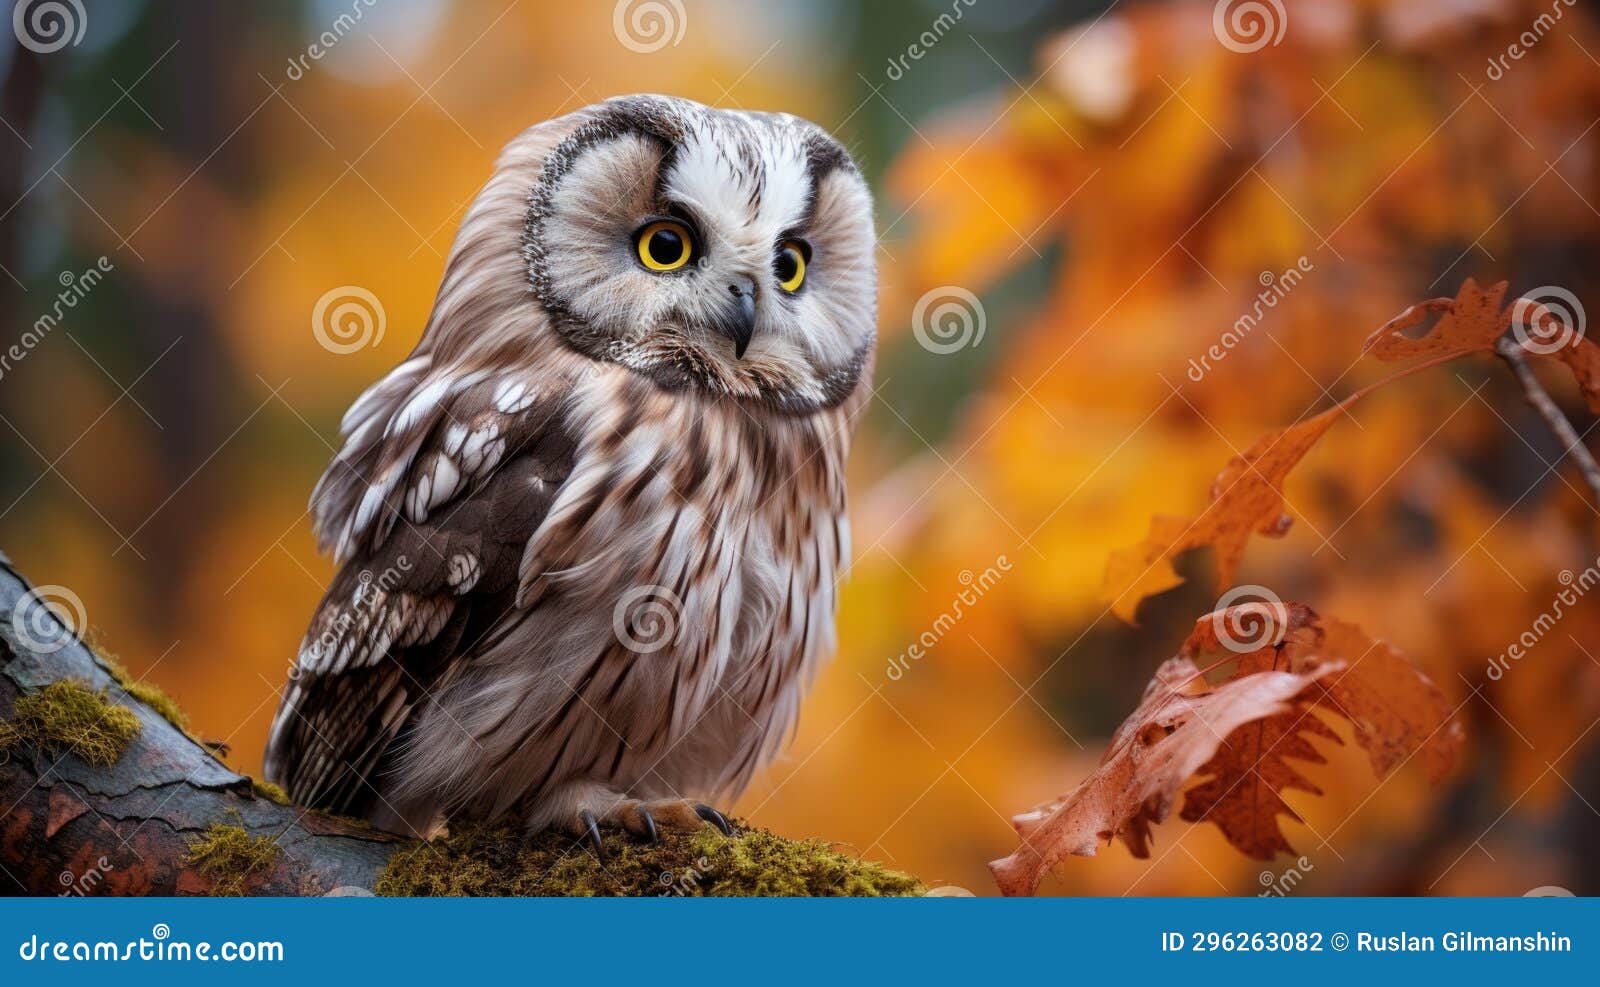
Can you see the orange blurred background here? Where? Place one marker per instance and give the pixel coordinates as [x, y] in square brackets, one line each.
[1113, 186]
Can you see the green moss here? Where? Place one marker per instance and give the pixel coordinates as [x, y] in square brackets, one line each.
[270, 792]
[230, 857]
[499, 860]
[69, 716]
[146, 692]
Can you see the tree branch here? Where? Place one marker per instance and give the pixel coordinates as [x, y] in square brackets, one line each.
[102, 793]
[68, 825]
[1540, 399]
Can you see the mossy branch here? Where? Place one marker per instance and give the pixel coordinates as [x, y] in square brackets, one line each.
[104, 791]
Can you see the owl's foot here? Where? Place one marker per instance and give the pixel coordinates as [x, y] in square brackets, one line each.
[646, 819]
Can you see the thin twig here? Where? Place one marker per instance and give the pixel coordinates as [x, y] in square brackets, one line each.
[1509, 351]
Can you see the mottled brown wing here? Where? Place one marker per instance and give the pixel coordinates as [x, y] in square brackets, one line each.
[431, 520]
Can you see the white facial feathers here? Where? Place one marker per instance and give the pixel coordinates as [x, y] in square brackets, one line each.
[741, 186]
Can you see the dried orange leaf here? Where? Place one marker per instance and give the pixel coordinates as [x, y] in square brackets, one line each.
[1166, 740]
[1474, 321]
[1238, 737]
[1582, 357]
[1246, 498]
[1468, 323]
[1245, 779]
[1398, 713]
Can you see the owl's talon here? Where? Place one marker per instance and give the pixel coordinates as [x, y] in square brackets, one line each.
[714, 817]
[651, 834]
[591, 834]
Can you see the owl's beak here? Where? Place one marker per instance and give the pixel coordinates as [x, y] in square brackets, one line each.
[739, 320]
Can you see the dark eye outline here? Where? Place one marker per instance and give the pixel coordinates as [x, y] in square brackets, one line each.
[803, 250]
[649, 228]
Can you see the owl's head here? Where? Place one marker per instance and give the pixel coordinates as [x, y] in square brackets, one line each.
[723, 250]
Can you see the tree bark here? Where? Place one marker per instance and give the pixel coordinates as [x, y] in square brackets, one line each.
[91, 805]
[70, 827]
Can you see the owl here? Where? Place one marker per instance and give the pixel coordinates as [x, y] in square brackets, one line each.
[590, 531]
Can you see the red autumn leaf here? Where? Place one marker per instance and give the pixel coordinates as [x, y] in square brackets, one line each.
[1468, 323]
[1238, 737]
[1246, 499]
[1474, 321]
[1247, 496]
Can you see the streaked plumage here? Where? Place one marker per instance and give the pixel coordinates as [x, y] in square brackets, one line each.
[574, 453]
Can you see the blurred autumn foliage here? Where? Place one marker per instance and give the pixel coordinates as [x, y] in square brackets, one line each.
[1174, 247]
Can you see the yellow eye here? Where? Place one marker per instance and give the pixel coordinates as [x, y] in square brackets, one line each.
[790, 265]
[665, 245]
